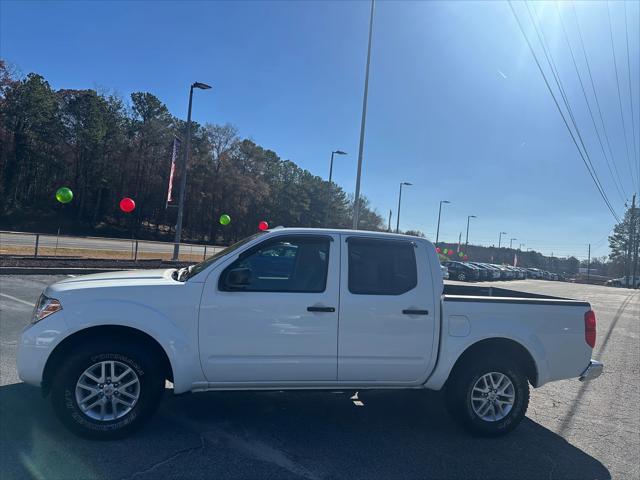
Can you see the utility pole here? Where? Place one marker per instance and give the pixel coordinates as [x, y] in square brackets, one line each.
[629, 267]
[635, 240]
[589, 263]
[389, 227]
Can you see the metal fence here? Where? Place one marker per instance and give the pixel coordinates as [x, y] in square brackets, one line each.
[41, 244]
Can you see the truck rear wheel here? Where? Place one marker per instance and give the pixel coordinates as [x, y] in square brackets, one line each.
[489, 397]
[107, 389]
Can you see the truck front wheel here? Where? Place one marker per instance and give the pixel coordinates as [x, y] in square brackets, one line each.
[489, 397]
[105, 390]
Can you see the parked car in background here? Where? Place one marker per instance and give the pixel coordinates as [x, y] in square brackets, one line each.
[494, 270]
[535, 273]
[505, 273]
[485, 275]
[445, 272]
[463, 271]
[622, 282]
[517, 274]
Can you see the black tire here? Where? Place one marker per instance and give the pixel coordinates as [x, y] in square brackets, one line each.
[139, 358]
[460, 385]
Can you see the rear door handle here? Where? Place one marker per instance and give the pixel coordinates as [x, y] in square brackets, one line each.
[321, 309]
[415, 312]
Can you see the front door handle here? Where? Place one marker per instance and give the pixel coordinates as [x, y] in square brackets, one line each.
[409, 311]
[321, 309]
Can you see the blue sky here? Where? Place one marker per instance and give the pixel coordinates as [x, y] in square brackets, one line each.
[456, 103]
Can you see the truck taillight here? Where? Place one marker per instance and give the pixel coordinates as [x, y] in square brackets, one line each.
[590, 328]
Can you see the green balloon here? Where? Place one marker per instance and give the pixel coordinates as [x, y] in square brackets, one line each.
[225, 219]
[64, 195]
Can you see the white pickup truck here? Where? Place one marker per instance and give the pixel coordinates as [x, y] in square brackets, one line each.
[297, 308]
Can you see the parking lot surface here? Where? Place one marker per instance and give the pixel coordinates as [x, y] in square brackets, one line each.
[573, 430]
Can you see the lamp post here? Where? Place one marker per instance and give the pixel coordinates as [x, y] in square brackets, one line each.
[520, 247]
[439, 213]
[466, 242]
[326, 216]
[511, 242]
[183, 179]
[356, 199]
[399, 203]
[335, 152]
[500, 238]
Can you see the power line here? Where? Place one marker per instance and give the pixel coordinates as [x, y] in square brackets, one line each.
[556, 75]
[617, 184]
[633, 116]
[624, 125]
[595, 95]
[544, 77]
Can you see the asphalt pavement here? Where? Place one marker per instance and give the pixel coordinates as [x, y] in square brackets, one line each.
[572, 430]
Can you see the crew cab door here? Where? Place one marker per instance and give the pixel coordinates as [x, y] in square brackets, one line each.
[270, 315]
[387, 312]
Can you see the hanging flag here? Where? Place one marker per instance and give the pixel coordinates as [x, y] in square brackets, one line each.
[515, 259]
[174, 155]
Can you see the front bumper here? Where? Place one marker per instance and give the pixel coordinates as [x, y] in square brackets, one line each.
[593, 370]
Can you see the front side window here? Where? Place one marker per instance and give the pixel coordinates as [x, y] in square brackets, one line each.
[288, 264]
[381, 267]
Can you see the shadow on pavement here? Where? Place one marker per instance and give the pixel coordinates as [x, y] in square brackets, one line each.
[400, 435]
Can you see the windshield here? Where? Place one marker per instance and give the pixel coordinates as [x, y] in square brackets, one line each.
[195, 269]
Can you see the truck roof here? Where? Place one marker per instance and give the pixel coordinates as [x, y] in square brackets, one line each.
[345, 231]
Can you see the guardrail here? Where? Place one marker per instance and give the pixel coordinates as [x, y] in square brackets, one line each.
[52, 245]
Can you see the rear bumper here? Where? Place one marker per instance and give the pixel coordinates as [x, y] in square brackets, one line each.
[593, 370]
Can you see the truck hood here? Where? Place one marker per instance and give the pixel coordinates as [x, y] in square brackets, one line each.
[128, 278]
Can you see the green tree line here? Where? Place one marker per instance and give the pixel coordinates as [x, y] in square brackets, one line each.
[105, 148]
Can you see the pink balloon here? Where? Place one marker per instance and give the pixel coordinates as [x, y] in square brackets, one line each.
[262, 226]
[450, 252]
[127, 205]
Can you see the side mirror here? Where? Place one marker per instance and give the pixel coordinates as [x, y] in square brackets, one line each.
[238, 278]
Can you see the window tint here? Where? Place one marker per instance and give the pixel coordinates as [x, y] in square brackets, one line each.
[378, 267]
[285, 264]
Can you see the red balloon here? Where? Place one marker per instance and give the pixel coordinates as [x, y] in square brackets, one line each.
[127, 205]
[262, 226]
[450, 252]
[466, 257]
[438, 250]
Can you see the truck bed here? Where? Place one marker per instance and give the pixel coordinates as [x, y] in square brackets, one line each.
[473, 293]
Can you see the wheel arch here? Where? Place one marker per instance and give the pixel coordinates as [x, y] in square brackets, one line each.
[504, 346]
[62, 350]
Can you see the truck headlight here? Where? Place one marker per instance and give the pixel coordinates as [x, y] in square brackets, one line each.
[45, 307]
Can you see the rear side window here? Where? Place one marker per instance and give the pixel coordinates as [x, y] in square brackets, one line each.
[379, 267]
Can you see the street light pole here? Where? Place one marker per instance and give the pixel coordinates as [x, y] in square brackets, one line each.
[183, 179]
[326, 217]
[356, 199]
[511, 242]
[399, 203]
[335, 152]
[466, 242]
[439, 213]
[500, 238]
